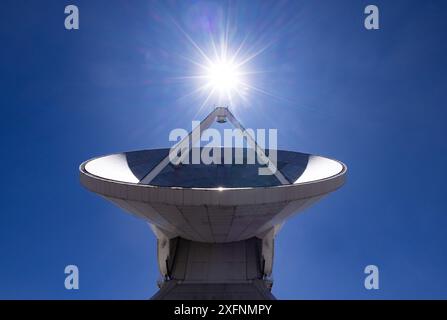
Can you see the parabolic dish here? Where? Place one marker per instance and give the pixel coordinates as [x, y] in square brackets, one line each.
[212, 203]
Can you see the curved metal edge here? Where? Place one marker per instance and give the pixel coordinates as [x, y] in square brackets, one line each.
[211, 196]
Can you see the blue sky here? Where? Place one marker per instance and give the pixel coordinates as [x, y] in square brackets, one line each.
[372, 99]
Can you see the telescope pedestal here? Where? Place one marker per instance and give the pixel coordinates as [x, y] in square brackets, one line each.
[201, 271]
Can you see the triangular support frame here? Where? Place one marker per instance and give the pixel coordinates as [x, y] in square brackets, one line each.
[221, 114]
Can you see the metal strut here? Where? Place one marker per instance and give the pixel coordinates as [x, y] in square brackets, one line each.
[221, 113]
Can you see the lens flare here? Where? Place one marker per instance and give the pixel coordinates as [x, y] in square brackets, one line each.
[223, 76]
[224, 73]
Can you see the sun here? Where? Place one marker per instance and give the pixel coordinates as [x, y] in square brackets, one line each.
[223, 77]
[224, 73]
[221, 80]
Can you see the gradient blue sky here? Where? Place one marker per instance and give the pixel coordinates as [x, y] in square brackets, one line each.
[373, 99]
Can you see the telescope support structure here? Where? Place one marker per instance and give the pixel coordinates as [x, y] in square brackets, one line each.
[220, 114]
[201, 271]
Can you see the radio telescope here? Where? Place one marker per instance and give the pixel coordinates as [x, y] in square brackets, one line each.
[215, 224]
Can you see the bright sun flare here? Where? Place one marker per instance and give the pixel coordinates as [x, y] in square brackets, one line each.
[223, 77]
